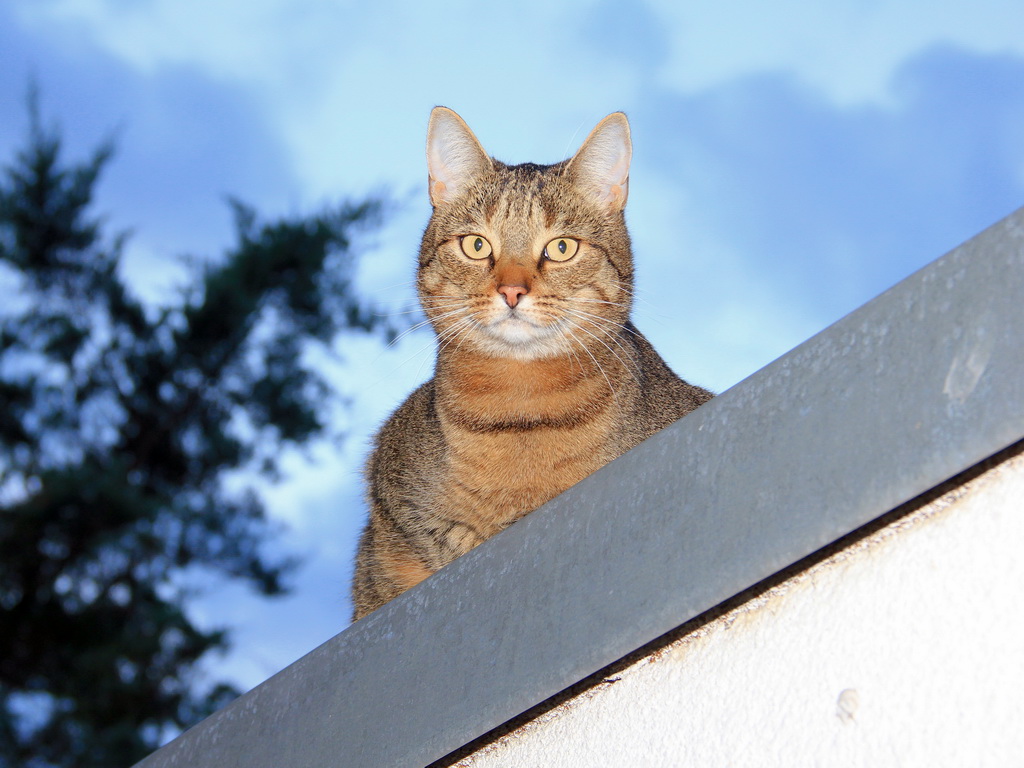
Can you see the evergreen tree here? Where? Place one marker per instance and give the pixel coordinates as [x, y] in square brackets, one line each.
[118, 425]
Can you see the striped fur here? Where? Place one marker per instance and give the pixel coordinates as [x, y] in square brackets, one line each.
[540, 379]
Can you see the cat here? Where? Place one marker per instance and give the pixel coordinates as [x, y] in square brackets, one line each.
[526, 275]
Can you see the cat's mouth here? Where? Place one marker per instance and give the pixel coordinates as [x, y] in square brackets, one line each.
[521, 334]
[515, 322]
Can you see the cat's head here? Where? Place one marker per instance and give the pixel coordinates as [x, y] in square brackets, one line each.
[526, 261]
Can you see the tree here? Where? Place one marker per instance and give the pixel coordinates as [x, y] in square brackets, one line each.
[119, 424]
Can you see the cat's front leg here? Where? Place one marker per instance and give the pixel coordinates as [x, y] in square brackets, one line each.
[455, 539]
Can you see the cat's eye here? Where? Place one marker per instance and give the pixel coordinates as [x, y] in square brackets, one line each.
[475, 246]
[561, 249]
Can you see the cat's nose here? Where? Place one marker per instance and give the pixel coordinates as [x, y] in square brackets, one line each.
[512, 293]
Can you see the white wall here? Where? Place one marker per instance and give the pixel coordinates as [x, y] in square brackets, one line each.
[906, 649]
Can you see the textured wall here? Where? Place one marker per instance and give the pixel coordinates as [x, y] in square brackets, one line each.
[905, 649]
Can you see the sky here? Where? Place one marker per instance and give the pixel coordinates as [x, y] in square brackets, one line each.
[792, 160]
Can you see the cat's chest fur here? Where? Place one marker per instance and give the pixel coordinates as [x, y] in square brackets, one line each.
[520, 433]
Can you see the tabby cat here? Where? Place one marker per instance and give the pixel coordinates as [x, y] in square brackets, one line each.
[526, 275]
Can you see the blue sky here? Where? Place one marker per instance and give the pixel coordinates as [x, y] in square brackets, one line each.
[791, 161]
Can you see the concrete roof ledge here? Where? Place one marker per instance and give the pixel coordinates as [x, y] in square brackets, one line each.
[918, 385]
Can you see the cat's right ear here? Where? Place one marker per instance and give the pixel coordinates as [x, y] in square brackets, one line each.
[602, 164]
[454, 156]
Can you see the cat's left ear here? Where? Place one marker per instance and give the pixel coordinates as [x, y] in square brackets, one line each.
[454, 156]
[602, 164]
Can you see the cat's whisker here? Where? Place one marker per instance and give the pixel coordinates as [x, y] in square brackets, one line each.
[566, 343]
[407, 332]
[597, 363]
[596, 320]
[615, 335]
[446, 304]
[637, 295]
[443, 305]
[390, 289]
[439, 318]
[445, 313]
[455, 331]
[472, 322]
[601, 318]
[583, 300]
[600, 304]
[418, 352]
[641, 304]
[410, 311]
[465, 319]
[606, 323]
[629, 368]
[628, 291]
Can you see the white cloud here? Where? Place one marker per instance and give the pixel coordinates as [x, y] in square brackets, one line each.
[252, 41]
[848, 49]
[331, 75]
